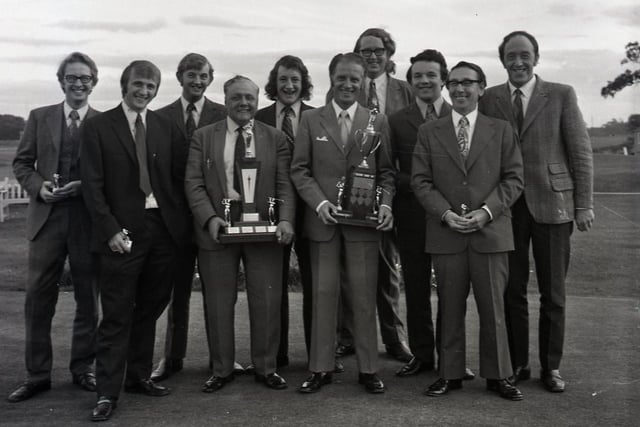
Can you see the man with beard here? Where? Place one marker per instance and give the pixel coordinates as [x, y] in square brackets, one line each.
[47, 166]
[190, 112]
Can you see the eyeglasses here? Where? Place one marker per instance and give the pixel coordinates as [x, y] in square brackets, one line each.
[368, 52]
[70, 78]
[465, 83]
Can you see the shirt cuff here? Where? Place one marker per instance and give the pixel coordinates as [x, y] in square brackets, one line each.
[322, 203]
[488, 211]
[445, 214]
[386, 206]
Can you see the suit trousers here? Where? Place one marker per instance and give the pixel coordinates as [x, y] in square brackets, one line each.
[135, 288]
[487, 273]
[551, 246]
[178, 310]
[263, 273]
[416, 268]
[65, 233]
[359, 261]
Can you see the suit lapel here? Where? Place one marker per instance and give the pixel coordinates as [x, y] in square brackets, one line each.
[446, 135]
[153, 136]
[503, 102]
[178, 117]
[217, 148]
[54, 123]
[206, 116]
[414, 116]
[330, 123]
[121, 128]
[445, 110]
[482, 135]
[538, 100]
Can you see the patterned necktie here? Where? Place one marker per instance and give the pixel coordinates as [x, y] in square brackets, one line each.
[287, 126]
[238, 155]
[75, 117]
[372, 102]
[463, 137]
[431, 113]
[190, 125]
[141, 154]
[518, 109]
[343, 122]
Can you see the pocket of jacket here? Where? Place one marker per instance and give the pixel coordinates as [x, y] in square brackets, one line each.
[560, 177]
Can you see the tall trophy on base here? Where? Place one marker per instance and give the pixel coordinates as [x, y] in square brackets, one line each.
[243, 221]
[358, 196]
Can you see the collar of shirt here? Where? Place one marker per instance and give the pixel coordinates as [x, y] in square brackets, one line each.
[232, 126]
[381, 89]
[437, 106]
[351, 110]
[199, 104]
[527, 91]
[472, 117]
[82, 112]
[295, 107]
[132, 115]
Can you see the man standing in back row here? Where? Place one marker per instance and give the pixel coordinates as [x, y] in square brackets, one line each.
[558, 176]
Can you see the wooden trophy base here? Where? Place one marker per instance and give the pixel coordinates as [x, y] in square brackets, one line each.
[248, 232]
[347, 218]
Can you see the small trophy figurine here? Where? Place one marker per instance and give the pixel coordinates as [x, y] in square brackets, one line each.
[368, 136]
[248, 129]
[464, 209]
[56, 181]
[127, 238]
[340, 186]
[227, 211]
[272, 212]
[376, 205]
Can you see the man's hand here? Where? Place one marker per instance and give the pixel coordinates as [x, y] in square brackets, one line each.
[456, 222]
[584, 219]
[49, 194]
[118, 243]
[477, 219]
[69, 190]
[214, 226]
[284, 232]
[325, 211]
[385, 219]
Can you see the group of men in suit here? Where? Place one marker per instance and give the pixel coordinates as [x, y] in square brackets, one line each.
[474, 182]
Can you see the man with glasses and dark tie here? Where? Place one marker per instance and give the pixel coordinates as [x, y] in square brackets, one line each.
[466, 174]
[289, 86]
[58, 224]
[133, 184]
[190, 112]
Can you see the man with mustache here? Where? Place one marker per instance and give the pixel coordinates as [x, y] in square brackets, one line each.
[558, 174]
[190, 112]
[47, 166]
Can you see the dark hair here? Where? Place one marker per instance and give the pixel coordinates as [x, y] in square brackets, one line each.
[387, 41]
[430, 55]
[235, 79]
[193, 61]
[289, 62]
[78, 57]
[354, 58]
[474, 67]
[513, 34]
[142, 68]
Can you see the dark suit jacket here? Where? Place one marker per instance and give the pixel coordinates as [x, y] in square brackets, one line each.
[37, 159]
[558, 162]
[268, 114]
[492, 175]
[399, 95]
[111, 178]
[403, 128]
[319, 161]
[211, 112]
[206, 182]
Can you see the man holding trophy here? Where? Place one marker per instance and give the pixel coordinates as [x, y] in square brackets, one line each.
[237, 172]
[342, 169]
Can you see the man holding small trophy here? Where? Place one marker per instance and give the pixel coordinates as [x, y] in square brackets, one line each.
[243, 203]
[342, 169]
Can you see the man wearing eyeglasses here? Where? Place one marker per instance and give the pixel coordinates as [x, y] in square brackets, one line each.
[466, 174]
[559, 191]
[47, 166]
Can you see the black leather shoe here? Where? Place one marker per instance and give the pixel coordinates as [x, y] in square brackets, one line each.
[250, 369]
[87, 381]
[338, 367]
[468, 374]
[147, 387]
[552, 381]
[414, 367]
[215, 383]
[442, 387]
[345, 350]
[272, 380]
[237, 368]
[399, 352]
[315, 382]
[520, 373]
[505, 389]
[372, 383]
[282, 361]
[104, 408]
[28, 389]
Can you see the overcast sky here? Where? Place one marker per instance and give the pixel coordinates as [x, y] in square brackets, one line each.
[581, 42]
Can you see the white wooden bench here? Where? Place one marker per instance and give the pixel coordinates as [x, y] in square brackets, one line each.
[11, 193]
